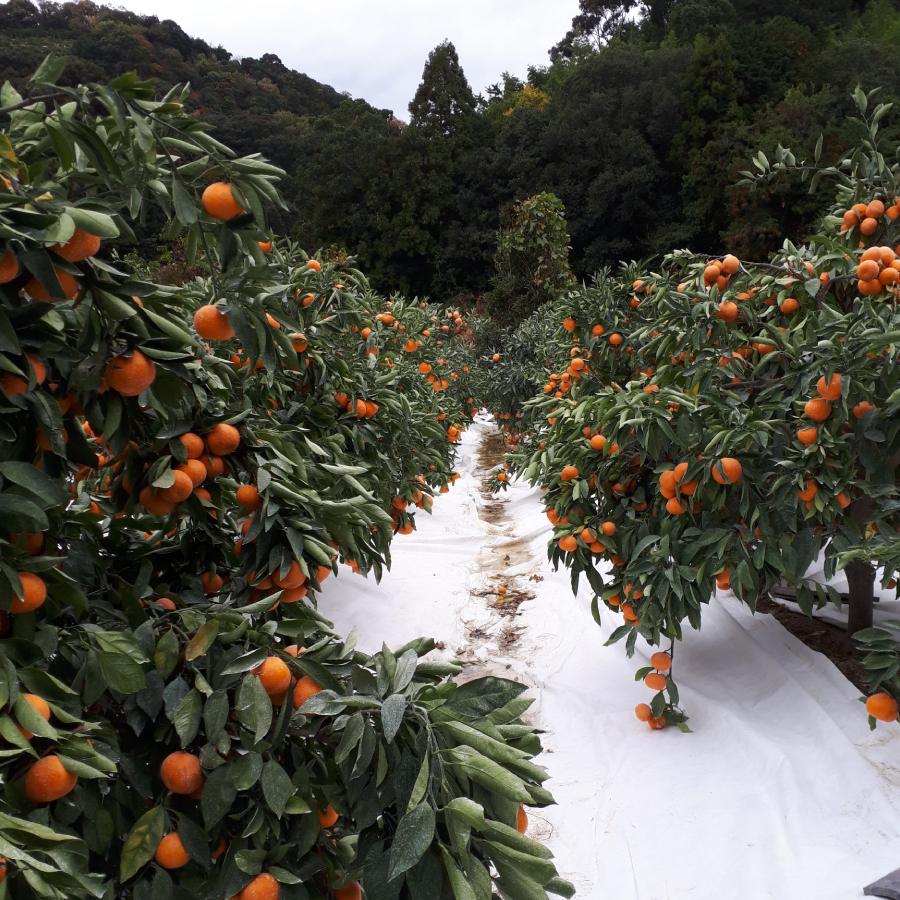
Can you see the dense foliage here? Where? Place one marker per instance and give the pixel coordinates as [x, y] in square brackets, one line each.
[711, 423]
[640, 125]
[531, 265]
[181, 469]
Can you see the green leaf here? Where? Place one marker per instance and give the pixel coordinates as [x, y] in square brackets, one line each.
[488, 774]
[218, 795]
[166, 656]
[420, 787]
[198, 645]
[49, 71]
[121, 672]
[46, 489]
[254, 707]
[481, 696]
[142, 841]
[215, 715]
[28, 717]
[185, 204]
[93, 222]
[412, 838]
[277, 787]
[392, 712]
[19, 514]
[186, 717]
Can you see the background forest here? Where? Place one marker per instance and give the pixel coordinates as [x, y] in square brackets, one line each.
[640, 125]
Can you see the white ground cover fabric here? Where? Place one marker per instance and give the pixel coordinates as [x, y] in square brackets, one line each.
[780, 792]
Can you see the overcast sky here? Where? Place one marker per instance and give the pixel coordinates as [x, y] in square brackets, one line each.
[376, 50]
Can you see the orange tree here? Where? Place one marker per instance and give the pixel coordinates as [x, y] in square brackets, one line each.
[181, 468]
[720, 424]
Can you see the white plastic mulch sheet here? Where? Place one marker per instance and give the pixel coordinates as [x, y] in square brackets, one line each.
[780, 792]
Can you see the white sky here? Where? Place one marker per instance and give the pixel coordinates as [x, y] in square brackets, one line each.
[376, 50]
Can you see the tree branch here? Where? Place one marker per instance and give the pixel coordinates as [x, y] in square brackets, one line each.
[40, 98]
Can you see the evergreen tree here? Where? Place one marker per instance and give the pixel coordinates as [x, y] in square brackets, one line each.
[444, 99]
[712, 118]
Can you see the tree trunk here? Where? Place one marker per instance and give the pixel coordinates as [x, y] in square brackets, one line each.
[861, 582]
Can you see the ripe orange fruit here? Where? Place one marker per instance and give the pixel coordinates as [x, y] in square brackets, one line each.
[263, 887]
[170, 852]
[657, 723]
[294, 595]
[862, 408]
[150, 499]
[67, 281]
[727, 470]
[875, 209]
[882, 706]
[304, 689]
[674, 508]
[728, 311]
[616, 339]
[34, 593]
[316, 266]
[351, 891]
[843, 500]
[179, 490]
[193, 443]
[667, 484]
[817, 409]
[328, 817]
[568, 543]
[130, 374]
[808, 494]
[274, 675]
[609, 528]
[80, 246]
[807, 436]
[12, 385]
[731, 265]
[867, 270]
[569, 473]
[40, 706]
[211, 582]
[218, 201]
[661, 661]
[48, 780]
[9, 267]
[181, 772]
[643, 713]
[293, 578]
[265, 246]
[868, 226]
[223, 439]
[212, 324]
[723, 580]
[195, 470]
[789, 306]
[655, 681]
[598, 442]
[521, 820]
[569, 324]
[831, 389]
[247, 496]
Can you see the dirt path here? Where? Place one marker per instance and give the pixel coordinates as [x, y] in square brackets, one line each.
[495, 639]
